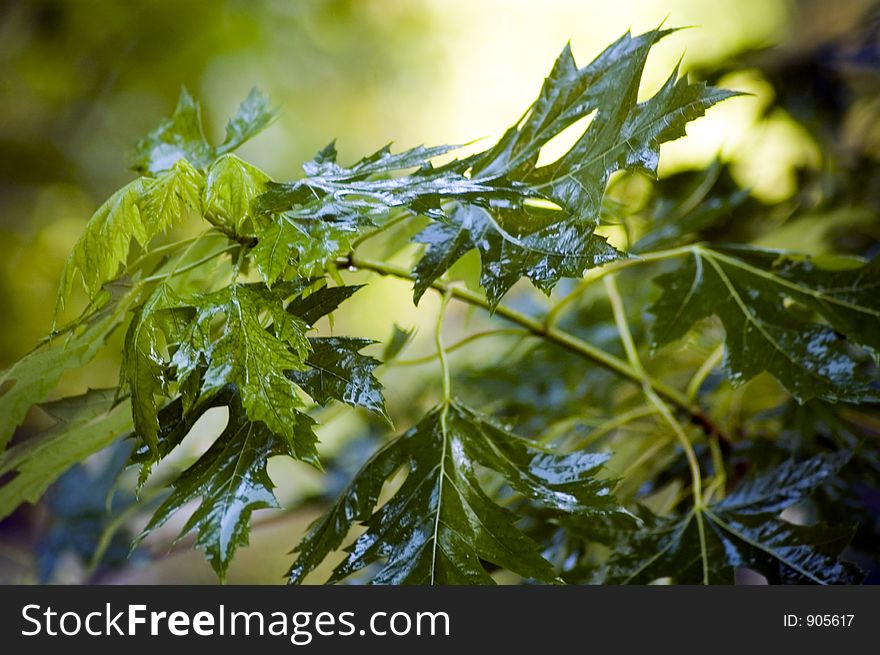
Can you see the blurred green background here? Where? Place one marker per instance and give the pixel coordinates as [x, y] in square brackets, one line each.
[82, 81]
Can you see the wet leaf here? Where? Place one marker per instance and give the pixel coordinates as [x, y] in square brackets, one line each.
[742, 530]
[228, 336]
[338, 371]
[441, 525]
[231, 481]
[782, 313]
[310, 307]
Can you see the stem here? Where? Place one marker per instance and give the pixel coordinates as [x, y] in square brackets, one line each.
[459, 344]
[598, 273]
[553, 335]
[193, 265]
[613, 424]
[379, 230]
[170, 247]
[694, 465]
[693, 388]
[441, 351]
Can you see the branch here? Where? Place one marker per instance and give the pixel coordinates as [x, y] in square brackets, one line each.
[553, 335]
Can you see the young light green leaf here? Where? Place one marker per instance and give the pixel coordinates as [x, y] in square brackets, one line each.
[440, 525]
[103, 246]
[138, 212]
[31, 378]
[84, 425]
[231, 188]
[180, 137]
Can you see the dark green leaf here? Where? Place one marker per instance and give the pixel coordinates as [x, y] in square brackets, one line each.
[181, 137]
[767, 300]
[742, 530]
[232, 482]
[253, 116]
[493, 192]
[176, 138]
[337, 371]
[309, 308]
[440, 525]
[144, 370]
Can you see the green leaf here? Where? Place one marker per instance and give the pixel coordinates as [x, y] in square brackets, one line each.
[399, 339]
[768, 302]
[138, 212]
[309, 243]
[104, 244]
[170, 196]
[31, 378]
[624, 135]
[83, 425]
[316, 304]
[337, 371]
[440, 525]
[231, 188]
[253, 116]
[488, 202]
[174, 424]
[232, 482]
[742, 530]
[517, 239]
[180, 137]
[227, 335]
[548, 249]
[366, 189]
[144, 370]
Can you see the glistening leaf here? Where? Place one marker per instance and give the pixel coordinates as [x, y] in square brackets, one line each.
[231, 187]
[253, 116]
[546, 249]
[441, 525]
[232, 482]
[768, 302]
[228, 336]
[180, 137]
[309, 308]
[144, 370]
[742, 530]
[338, 371]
